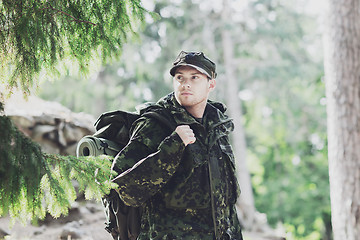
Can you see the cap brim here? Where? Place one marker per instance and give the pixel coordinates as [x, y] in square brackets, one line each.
[173, 70]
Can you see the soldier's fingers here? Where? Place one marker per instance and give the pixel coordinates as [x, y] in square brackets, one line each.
[186, 134]
[192, 140]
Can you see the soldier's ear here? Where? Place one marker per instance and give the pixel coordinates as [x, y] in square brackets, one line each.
[212, 84]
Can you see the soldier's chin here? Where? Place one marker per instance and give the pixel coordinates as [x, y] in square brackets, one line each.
[186, 103]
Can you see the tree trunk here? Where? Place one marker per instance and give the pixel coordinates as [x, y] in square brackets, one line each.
[245, 204]
[342, 72]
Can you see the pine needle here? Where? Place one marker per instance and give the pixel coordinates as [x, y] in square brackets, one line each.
[33, 183]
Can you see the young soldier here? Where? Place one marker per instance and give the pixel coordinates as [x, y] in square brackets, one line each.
[184, 178]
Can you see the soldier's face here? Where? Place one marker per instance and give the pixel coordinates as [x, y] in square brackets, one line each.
[192, 87]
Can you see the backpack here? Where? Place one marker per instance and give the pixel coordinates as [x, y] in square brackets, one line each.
[112, 134]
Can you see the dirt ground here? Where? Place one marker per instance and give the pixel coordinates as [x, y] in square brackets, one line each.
[85, 221]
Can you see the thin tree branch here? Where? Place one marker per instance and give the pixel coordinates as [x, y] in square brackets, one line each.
[62, 12]
[56, 11]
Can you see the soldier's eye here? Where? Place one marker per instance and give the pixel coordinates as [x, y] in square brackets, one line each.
[179, 78]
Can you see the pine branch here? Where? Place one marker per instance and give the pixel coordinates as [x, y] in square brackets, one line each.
[35, 38]
[32, 182]
[62, 12]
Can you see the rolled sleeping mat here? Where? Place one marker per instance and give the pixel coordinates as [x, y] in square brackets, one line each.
[93, 146]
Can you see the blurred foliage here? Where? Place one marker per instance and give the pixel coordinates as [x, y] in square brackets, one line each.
[286, 120]
[278, 52]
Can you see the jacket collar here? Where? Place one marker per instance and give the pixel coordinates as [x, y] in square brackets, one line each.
[214, 113]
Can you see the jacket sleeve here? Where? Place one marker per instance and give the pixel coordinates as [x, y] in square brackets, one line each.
[147, 163]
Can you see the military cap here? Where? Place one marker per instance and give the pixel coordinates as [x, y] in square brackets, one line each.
[196, 60]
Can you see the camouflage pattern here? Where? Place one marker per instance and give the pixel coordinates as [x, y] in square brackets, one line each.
[187, 192]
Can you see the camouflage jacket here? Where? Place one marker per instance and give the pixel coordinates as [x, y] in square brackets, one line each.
[187, 192]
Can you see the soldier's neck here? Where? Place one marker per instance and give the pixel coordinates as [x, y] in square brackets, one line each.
[196, 111]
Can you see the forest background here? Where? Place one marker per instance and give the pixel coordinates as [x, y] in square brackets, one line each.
[278, 62]
[279, 68]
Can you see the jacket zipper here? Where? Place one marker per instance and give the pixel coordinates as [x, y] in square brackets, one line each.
[212, 199]
[213, 212]
[211, 182]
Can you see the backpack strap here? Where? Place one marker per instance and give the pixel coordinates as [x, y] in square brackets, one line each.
[161, 118]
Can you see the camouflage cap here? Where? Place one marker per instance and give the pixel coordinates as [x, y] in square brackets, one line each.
[196, 60]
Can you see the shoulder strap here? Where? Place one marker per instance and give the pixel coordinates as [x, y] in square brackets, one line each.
[118, 116]
[161, 118]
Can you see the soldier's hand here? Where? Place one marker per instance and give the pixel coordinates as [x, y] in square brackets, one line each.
[186, 134]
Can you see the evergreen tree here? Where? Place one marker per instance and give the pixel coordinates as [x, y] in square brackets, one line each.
[32, 182]
[39, 37]
[36, 35]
